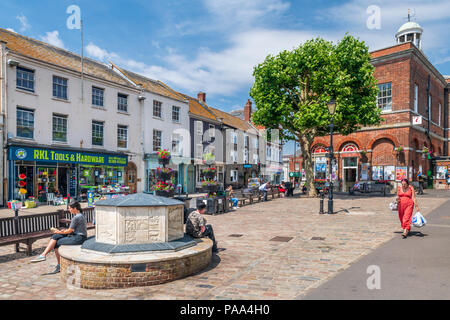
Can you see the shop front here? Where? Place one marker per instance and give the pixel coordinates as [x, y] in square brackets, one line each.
[35, 172]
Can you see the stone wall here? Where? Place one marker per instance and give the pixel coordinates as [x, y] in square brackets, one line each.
[113, 276]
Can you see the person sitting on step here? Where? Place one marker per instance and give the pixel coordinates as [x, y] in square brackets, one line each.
[196, 226]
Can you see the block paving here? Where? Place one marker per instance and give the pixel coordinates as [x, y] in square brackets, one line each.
[313, 248]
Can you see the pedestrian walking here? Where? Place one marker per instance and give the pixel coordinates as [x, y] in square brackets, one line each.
[420, 178]
[406, 200]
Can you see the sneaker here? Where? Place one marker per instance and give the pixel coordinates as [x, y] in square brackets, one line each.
[57, 269]
[38, 259]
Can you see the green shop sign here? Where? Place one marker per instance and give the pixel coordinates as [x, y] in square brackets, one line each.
[294, 174]
[49, 155]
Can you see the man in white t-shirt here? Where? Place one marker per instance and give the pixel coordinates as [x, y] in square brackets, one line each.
[263, 189]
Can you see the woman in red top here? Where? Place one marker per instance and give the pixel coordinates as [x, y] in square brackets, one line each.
[406, 199]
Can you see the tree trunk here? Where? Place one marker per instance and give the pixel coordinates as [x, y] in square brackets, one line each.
[305, 144]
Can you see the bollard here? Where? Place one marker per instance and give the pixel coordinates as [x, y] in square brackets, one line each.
[321, 202]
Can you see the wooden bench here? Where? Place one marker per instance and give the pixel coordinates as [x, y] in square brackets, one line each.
[30, 228]
[369, 188]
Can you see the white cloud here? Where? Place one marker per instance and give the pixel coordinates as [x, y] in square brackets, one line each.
[226, 71]
[10, 29]
[23, 22]
[52, 38]
[245, 12]
[217, 73]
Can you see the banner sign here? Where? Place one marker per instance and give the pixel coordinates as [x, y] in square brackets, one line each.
[49, 155]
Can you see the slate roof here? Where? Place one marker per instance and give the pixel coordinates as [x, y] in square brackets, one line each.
[150, 85]
[45, 52]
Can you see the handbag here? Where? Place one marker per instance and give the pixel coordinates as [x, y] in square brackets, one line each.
[393, 206]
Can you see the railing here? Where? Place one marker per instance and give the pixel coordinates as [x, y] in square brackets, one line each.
[38, 222]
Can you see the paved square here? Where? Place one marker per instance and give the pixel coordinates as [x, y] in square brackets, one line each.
[249, 265]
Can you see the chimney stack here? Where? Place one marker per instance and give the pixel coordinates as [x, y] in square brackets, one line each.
[248, 111]
[201, 96]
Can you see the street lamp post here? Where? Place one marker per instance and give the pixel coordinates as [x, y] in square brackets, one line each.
[331, 110]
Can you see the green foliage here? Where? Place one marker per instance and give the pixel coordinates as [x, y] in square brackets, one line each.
[291, 90]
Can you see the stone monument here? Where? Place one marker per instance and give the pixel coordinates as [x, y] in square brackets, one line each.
[139, 240]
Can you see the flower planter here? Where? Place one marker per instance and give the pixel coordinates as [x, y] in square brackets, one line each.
[162, 193]
[210, 174]
[210, 189]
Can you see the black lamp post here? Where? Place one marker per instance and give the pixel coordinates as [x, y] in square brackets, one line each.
[331, 110]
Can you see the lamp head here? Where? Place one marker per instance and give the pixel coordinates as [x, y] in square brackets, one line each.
[332, 106]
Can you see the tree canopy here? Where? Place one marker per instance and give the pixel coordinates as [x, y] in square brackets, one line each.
[292, 89]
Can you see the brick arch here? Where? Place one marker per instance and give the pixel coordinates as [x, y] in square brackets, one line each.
[350, 140]
[382, 152]
[383, 136]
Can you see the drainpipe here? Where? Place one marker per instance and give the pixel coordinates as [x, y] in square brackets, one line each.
[446, 106]
[3, 119]
[430, 161]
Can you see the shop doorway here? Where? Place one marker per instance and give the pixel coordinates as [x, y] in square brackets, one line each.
[63, 181]
[130, 177]
[190, 179]
[350, 172]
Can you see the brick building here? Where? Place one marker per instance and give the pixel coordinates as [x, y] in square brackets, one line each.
[413, 137]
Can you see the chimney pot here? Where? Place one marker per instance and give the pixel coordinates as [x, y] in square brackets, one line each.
[201, 96]
[248, 111]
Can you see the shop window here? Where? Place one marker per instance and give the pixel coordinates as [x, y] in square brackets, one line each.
[122, 102]
[25, 79]
[255, 159]
[156, 140]
[97, 133]
[59, 87]
[97, 96]
[25, 123]
[384, 99]
[320, 168]
[59, 128]
[122, 136]
[175, 114]
[157, 109]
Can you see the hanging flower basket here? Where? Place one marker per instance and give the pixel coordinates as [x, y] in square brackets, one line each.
[164, 173]
[163, 156]
[209, 173]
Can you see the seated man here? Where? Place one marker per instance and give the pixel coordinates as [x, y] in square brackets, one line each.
[263, 188]
[196, 228]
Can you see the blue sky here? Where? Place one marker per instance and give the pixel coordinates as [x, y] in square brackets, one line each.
[212, 45]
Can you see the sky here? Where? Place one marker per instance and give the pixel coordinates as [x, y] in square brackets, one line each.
[213, 45]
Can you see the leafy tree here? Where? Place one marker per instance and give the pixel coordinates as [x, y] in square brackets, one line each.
[291, 92]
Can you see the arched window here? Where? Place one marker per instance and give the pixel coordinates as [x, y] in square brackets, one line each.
[350, 147]
[319, 149]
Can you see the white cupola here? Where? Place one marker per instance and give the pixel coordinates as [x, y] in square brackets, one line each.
[410, 32]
